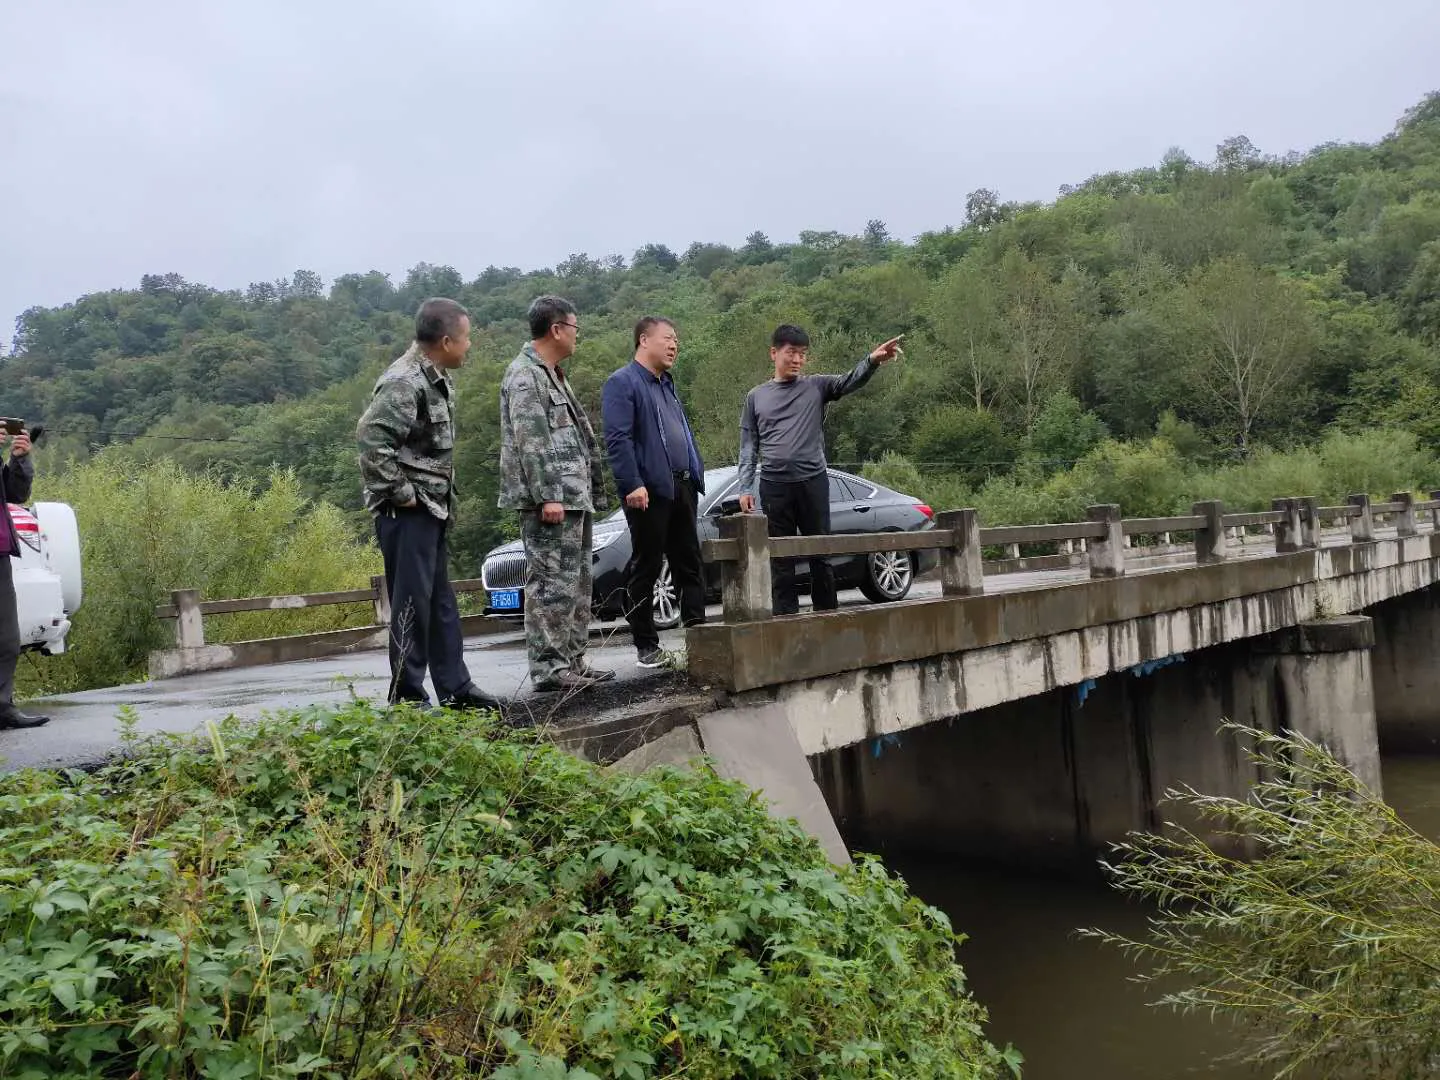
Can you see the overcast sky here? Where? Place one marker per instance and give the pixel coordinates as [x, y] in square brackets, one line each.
[235, 141]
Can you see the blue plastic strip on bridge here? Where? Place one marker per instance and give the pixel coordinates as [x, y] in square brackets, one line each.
[880, 742]
[1146, 667]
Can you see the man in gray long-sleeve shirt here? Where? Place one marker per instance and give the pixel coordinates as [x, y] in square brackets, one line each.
[782, 426]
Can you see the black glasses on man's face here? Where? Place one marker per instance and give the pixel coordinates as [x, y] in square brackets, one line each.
[571, 325]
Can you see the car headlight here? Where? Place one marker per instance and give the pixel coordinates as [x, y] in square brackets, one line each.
[604, 540]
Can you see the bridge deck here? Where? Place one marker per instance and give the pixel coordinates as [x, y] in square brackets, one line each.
[85, 727]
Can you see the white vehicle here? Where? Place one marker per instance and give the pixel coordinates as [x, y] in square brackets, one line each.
[47, 574]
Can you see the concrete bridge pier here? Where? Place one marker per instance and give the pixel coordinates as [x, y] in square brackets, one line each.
[1325, 688]
[1056, 778]
[1407, 671]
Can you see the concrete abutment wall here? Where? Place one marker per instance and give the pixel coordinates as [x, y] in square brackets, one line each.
[1054, 779]
[1406, 666]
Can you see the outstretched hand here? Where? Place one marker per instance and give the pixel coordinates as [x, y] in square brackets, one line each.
[883, 354]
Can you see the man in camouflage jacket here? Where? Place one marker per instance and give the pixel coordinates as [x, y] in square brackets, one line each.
[407, 447]
[551, 471]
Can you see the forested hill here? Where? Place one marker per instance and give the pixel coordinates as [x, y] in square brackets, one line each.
[1246, 301]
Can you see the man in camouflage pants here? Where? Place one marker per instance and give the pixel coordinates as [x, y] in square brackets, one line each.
[407, 445]
[551, 472]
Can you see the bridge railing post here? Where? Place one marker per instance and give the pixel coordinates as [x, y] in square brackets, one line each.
[1289, 531]
[1309, 508]
[961, 570]
[382, 600]
[1210, 540]
[1435, 514]
[1405, 523]
[745, 583]
[189, 626]
[1362, 525]
[1107, 553]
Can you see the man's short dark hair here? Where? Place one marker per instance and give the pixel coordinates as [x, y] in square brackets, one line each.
[545, 312]
[648, 323]
[438, 318]
[789, 334]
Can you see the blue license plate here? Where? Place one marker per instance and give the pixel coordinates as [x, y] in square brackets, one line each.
[505, 599]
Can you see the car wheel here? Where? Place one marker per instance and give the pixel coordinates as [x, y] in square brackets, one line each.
[888, 576]
[667, 604]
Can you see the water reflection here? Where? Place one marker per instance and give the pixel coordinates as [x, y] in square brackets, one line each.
[1069, 1004]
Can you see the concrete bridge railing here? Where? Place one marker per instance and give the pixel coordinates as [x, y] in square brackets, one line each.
[192, 653]
[745, 548]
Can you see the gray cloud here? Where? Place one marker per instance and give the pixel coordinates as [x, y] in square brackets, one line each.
[236, 142]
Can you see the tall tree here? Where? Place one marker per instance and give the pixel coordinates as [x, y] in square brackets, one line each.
[1236, 154]
[1040, 321]
[983, 209]
[757, 248]
[1248, 330]
[963, 312]
[655, 255]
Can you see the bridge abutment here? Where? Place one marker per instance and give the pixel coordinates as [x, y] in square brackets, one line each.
[1407, 671]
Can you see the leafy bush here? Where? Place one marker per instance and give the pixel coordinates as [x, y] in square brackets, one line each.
[894, 471]
[973, 442]
[145, 530]
[1379, 463]
[361, 894]
[1326, 944]
[1064, 432]
[1153, 479]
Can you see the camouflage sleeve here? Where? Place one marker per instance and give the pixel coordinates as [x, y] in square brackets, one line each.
[383, 429]
[529, 422]
[598, 497]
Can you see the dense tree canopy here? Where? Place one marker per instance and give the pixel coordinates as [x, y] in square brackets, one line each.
[1249, 302]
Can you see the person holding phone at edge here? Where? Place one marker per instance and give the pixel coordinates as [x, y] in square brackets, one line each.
[782, 431]
[15, 481]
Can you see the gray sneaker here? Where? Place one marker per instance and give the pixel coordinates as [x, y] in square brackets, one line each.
[652, 658]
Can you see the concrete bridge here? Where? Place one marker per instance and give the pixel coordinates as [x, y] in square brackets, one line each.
[1033, 709]
[1043, 723]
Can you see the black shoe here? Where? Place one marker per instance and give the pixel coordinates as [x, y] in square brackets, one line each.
[652, 658]
[473, 698]
[21, 720]
[585, 671]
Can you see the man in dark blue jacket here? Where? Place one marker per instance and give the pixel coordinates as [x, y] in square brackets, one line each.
[15, 479]
[659, 474]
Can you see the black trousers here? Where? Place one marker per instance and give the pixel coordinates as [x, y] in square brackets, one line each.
[9, 636]
[424, 621]
[666, 529]
[799, 509]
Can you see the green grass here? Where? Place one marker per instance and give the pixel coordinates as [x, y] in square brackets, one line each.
[360, 894]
